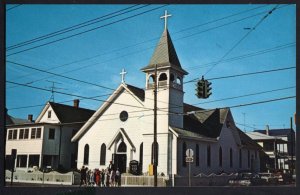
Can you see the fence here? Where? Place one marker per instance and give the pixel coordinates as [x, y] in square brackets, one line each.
[146, 181]
[44, 178]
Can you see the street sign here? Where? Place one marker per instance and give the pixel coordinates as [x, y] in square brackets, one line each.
[189, 159]
[189, 153]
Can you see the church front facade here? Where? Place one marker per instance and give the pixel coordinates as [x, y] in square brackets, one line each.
[121, 130]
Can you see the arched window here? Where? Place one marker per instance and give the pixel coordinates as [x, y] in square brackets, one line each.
[86, 154]
[172, 78]
[162, 77]
[220, 157]
[122, 147]
[197, 155]
[141, 155]
[157, 150]
[208, 155]
[151, 79]
[248, 159]
[240, 161]
[230, 155]
[183, 154]
[102, 154]
[178, 80]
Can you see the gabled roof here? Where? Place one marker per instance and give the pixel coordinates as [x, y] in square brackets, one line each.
[189, 134]
[69, 114]
[137, 92]
[140, 93]
[248, 142]
[206, 122]
[165, 55]
[16, 121]
[276, 132]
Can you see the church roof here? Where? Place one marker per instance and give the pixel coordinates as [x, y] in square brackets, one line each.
[190, 134]
[206, 122]
[69, 114]
[247, 141]
[164, 55]
[140, 93]
[276, 132]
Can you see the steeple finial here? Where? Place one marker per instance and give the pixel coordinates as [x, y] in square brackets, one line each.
[166, 17]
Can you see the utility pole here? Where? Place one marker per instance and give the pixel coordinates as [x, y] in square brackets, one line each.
[244, 122]
[155, 155]
[53, 89]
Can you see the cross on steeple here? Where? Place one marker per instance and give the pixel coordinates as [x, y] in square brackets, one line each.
[166, 17]
[123, 75]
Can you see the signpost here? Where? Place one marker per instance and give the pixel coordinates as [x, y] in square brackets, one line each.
[189, 159]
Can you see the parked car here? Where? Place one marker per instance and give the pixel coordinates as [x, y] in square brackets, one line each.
[284, 178]
[270, 178]
[247, 179]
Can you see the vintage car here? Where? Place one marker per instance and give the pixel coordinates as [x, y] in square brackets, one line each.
[269, 177]
[247, 179]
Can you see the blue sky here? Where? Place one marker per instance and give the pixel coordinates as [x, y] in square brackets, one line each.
[126, 44]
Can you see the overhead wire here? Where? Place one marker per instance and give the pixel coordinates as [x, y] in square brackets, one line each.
[80, 33]
[89, 65]
[75, 27]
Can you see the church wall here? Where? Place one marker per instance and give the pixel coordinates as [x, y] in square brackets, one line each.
[106, 128]
[176, 106]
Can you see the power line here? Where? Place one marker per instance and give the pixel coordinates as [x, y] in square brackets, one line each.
[74, 27]
[188, 68]
[276, 48]
[244, 37]
[84, 59]
[67, 37]
[63, 93]
[13, 7]
[245, 74]
[246, 95]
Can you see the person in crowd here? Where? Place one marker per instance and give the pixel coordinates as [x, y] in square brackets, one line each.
[118, 178]
[112, 178]
[97, 177]
[82, 176]
[87, 176]
[110, 166]
[107, 178]
[92, 181]
[102, 178]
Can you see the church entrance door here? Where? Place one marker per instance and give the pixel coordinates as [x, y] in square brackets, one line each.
[120, 161]
[120, 158]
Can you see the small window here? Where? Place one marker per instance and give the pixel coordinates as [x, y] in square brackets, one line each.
[21, 160]
[123, 116]
[21, 134]
[178, 80]
[15, 134]
[220, 157]
[26, 134]
[240, 161]
[102, 154]
[197, 155]
[38, 132]
[86, 155]
[33, 131]
[51, 134]
[10, 133]
[49, 114]
[208, 156]
[230, 155]
[162, 77]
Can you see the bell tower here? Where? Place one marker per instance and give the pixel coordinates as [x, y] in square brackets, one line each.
[170, 76]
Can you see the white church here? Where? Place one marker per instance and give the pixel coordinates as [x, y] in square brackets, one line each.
[122, 129]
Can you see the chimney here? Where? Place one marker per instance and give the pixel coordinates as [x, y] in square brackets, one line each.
[30, 117]
[76, 103]
[267, 129]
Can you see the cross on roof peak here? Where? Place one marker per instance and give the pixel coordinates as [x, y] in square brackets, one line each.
[166, 17]
[123, 75]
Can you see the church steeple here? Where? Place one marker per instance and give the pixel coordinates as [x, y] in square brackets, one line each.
[165, 55]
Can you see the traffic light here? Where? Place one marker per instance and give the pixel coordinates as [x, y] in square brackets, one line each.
[207, 89]
[200, 88]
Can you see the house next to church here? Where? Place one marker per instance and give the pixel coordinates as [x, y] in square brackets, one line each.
[47, 140]
[121, 130]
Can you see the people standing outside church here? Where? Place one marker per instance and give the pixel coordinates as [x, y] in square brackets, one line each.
[97, 177]
[83, 176]
[102, 178]
[118, 178]
[107, 178]
[110, 166]
[112, 178]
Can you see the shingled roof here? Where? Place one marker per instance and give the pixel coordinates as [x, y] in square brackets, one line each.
[16, 121]
[208, 123]
[247, 141]
[164, 55]
[276, 132]
[140, 93]
[69, 114]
